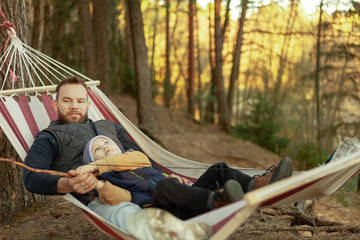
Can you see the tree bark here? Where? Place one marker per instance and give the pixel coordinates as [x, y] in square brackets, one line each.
[13, 195]
[36, 24]
[167, 82]
[152, 72]
[199, 68]
[317, 80]
[210, 105]
[220, 91]
[102, 35]
[88, 39]
[45, 45]
[190, 85]
[277, 95]
[56, 28]
[142, 73]
[236, 58]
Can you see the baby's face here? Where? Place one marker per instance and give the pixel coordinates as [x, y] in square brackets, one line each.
[102, 147]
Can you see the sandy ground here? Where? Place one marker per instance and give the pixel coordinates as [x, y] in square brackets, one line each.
[59, 219]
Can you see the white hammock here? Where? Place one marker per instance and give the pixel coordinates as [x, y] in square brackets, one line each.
[23, 113]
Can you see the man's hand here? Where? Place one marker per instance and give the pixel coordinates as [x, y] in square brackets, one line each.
[180, 179]
[79, 183]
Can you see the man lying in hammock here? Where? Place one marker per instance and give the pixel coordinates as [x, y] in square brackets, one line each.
[60, 147]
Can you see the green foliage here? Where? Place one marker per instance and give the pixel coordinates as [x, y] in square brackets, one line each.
[352, 184]
[344, 195]
[307, 156]
[260, 127]
[128, 81]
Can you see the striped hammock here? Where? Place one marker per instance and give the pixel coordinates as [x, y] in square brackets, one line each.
[26, 111]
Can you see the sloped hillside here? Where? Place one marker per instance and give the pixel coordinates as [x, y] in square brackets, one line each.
[204, 143]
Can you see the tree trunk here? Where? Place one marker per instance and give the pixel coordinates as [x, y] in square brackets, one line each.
[13, 195]
[199, 68]
[36, 24]
[236, 58]
[167, 82]
[317, 80]
[277, 95]
[142, 73]
[220, 91]
[129, 45]
[102, 34]
[210, 105]
[56, 28]
[88, 39]
[190, 85]
[152, 72]
[45, 45]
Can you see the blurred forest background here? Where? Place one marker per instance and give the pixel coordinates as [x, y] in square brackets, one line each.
[283, 74]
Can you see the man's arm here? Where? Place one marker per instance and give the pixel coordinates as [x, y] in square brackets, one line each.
[41, 154]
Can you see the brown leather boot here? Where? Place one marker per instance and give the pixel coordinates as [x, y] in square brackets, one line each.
[272, 174]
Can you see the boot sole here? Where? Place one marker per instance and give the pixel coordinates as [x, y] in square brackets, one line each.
[283, 170]
[233, 190]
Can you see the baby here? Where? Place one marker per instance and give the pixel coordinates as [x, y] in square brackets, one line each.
[124, 176]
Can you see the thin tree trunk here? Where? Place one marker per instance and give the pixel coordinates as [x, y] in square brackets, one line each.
[116, 46]
[45, 46]
[284, 55]
[210, 105]
[143, 81]
[317, 80]
[199, 68]
[236, 58]
[172, 42]
[220, 91]
[152, 72]
[190, 86]
[55, 30]
[167, 83]
[36, 24]
[101, 35]
[129, 45]
[13, 196]
[88, 39]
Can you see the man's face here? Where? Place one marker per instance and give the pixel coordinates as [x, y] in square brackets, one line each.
[72, 105]
[103, 147]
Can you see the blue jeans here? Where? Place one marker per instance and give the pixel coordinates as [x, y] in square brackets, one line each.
[116, 214]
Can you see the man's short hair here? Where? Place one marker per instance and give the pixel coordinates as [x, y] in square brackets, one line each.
[70, 80]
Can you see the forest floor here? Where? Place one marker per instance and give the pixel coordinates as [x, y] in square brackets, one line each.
[59, 219]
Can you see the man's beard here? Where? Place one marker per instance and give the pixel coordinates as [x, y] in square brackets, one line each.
[64, 119]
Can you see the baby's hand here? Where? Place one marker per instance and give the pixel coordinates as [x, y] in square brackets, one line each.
[89, 168]
[180, 179]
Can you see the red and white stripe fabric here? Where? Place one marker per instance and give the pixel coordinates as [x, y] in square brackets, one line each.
[22, 116]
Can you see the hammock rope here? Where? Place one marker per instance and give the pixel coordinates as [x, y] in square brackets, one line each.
[34, 65]
[11, 30]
